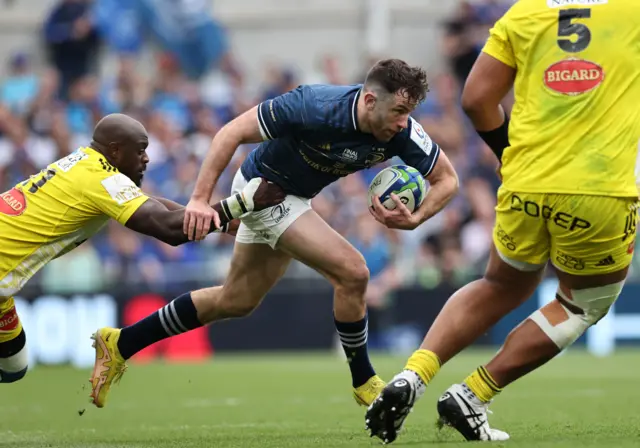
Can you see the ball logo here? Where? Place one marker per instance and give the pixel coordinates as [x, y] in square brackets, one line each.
[12, 202]
[573, 76]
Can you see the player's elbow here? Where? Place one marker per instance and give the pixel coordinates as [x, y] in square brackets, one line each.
[445, 177]
[472, 100]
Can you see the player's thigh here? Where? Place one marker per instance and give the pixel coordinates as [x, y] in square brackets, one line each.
[592, 235]
[294, 228]
[520, 234]
[313, 242]
[255, 269]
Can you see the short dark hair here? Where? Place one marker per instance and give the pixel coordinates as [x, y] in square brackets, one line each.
[394, 75]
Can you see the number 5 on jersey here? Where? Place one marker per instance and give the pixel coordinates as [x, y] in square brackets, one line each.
[568, 28]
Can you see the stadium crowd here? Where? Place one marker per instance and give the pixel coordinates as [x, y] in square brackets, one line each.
[45, 114]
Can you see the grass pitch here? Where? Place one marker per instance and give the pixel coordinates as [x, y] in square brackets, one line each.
[305, 401]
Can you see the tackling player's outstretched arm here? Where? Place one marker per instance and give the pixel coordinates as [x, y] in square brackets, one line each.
[155, 219]
[490, 80]
[171, 205]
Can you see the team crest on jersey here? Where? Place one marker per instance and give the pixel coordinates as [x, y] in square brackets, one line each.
[374, 158]
[573, 76]
[12, 202]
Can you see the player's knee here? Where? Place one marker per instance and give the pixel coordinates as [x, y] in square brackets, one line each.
[353, 277]
[13, 359]
[565, 319]
[470, 101]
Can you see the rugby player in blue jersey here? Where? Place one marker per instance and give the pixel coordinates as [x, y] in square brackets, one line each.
[309, 137]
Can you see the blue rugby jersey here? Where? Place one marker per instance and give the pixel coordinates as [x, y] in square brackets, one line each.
[312, 139]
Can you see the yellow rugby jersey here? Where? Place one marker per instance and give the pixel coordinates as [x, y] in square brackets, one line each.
[575, 125]
[52, 212]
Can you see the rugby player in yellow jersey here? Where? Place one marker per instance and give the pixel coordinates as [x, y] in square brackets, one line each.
[54, 211]
[569, 197]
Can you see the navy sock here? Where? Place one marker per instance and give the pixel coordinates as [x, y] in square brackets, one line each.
[353, 336]
[177, 317]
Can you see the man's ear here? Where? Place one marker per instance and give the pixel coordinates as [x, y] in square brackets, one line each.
[114, 151]
[370, 100]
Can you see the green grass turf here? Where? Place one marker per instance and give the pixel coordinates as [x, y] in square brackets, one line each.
[305, 400]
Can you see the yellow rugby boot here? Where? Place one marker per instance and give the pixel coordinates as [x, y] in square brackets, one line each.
[109, 366]
[369, 391]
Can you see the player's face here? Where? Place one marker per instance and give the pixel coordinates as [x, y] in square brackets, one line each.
[133, 160]
[390, 116]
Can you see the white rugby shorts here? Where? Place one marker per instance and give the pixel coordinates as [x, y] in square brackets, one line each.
[268, 225]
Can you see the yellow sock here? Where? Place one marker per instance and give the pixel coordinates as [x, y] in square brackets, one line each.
[10, 326]
[483, 385]
[425, 363]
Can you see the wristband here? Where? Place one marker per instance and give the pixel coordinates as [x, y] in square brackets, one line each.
[497, 139]
[234, 207]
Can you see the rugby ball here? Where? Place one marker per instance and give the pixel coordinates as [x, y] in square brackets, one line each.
[406, 182]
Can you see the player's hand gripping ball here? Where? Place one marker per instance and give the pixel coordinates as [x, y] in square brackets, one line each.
[406, 182]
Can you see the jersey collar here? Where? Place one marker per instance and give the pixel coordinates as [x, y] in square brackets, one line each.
[354, 111]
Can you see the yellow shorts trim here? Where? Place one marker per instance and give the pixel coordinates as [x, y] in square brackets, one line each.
[579, 234]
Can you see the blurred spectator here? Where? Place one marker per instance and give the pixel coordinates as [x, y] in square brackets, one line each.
[327, 71]
[459, 48]
[441, 116]
[71, 40]
[83, 108]
[279, 80]
[21, 85]
[126, 90]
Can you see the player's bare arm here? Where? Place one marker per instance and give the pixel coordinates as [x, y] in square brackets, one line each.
[165, 223]
[488, 83]
[171, 205]
[243, 129]
[444, 184]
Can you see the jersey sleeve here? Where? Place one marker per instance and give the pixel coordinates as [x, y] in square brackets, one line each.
[115, 195]
[498, 44]
[285, 114]
[418, 150]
